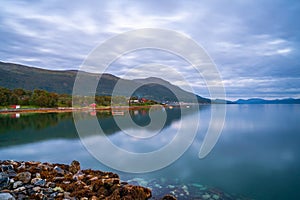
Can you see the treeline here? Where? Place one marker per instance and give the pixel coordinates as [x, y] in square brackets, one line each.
[40, 98]
[43, 98]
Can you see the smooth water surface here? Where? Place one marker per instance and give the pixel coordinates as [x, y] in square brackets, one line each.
[257, 155]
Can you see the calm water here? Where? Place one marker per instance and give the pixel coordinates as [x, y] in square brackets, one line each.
[257, 155]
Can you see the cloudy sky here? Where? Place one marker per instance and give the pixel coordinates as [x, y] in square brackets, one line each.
[254, 44]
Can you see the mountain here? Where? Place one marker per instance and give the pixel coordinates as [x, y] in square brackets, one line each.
[221, 101]
[30, 78]
[152, 86]
[263, 101]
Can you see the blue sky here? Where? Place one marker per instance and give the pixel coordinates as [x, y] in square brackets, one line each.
[255, 44]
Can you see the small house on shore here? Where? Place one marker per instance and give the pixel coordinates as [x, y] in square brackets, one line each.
[15, 106]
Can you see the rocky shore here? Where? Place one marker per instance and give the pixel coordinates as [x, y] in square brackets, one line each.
[36, 180]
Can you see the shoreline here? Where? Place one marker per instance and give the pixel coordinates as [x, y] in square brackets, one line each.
[37, 180]
[44, 180]
[70, 109]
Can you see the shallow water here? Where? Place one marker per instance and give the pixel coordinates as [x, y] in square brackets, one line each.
[256, 156]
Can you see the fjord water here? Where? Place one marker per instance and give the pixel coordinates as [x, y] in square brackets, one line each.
[257, 154]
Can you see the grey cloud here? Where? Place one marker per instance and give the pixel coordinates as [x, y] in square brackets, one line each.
[245, 38]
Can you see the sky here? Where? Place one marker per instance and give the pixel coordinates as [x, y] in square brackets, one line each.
[255, 45]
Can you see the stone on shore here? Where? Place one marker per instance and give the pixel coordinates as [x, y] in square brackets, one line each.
[6, 196]
[35, 180]
[168, 197]
[25, 177]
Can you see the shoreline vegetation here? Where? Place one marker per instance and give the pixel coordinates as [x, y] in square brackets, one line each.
[42, 101]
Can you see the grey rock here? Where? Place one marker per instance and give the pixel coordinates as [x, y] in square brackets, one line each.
[50, 184]
[4, 180]
[6, 168]
[20, 189]
[30, 191]
[40, 182]
[12, 173]
[78, 176]
[53, 195]
[22, 166]
[58, 179]
[17, 184]
[37, 175]
[171, 186]
[6, 196]
[59, 170]
[66, 182]
[29, 186]
[36, 189]
[206, 196]
[22, 196]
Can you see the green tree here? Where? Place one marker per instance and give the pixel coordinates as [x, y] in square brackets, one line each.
[13, 99]
[119, 100]
[103, 100]
[64, 100]
[52, 99]
[4, 96]
[43, 98]
[19, 92]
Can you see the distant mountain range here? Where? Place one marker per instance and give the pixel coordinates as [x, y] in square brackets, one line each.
[263, 101]
[30, 78]
[258, 101]
[19, 76]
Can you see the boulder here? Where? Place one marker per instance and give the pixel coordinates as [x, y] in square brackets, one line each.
[25, 177]
[6, 196]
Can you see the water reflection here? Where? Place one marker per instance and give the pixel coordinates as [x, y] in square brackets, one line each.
[35, 127]
[33, 121]
[257, 154]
